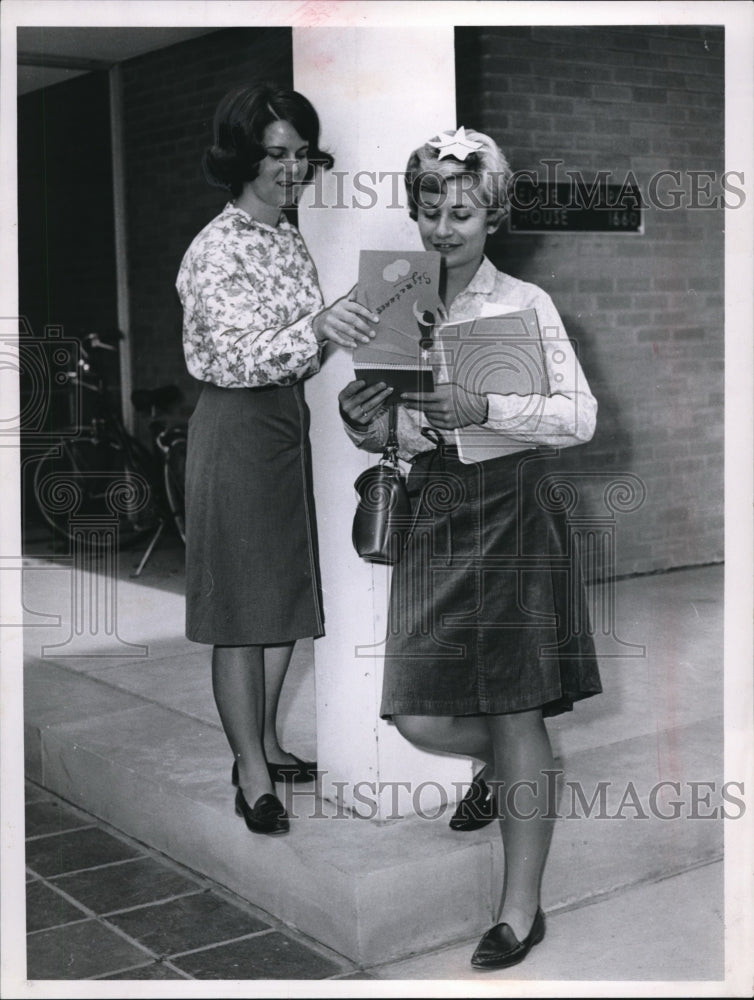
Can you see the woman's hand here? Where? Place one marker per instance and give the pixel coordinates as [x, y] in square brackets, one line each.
[360, 403]
[449, 406]
[345, 322]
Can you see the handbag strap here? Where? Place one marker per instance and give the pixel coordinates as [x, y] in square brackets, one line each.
[390, 454]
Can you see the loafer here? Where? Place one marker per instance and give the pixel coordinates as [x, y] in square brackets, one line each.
[292, 773]
[500, 947]
[476, 809]
[267, 815]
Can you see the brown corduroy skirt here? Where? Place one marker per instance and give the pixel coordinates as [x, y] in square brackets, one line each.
[487, 609]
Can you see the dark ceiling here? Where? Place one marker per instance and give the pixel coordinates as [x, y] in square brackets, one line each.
[48, 55]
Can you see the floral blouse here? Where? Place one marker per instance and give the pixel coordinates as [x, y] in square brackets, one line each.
[567, 416]
[249, 293]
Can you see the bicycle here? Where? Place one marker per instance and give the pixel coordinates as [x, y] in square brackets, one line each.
[100, 472]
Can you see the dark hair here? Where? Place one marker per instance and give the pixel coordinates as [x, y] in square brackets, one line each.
[238, 133]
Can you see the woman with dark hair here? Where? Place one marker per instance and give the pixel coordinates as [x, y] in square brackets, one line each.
[253, 330]
[483, 638]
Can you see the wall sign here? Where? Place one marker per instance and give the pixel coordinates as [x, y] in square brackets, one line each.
[568, 208]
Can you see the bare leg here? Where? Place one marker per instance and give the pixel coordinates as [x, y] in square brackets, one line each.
[239, 689]
[521, 753]
[276, 662]
[466, 735]
[517, 749]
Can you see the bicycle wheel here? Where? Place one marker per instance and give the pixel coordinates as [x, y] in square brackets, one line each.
[92, 479]
[175, 483]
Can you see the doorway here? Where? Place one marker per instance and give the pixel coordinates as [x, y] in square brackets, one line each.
[66, 253]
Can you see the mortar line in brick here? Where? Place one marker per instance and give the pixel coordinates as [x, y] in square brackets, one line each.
[35, 837]
[56, 927]
[197, 890]
[78, 871]
[230, 940]
[165, 963]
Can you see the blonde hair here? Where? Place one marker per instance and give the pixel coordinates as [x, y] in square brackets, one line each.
[487, 167]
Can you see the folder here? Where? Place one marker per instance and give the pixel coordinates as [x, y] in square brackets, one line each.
[500, 354]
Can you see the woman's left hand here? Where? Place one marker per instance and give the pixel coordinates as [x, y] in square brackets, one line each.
[449, 406]
[360, 403]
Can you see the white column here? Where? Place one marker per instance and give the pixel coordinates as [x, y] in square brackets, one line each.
[379, 93]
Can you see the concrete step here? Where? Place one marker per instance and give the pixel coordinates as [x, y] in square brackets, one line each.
[135, 741]
[162, 777]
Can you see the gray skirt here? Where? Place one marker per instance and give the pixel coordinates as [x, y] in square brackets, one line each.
[487, 610]
[252, 563]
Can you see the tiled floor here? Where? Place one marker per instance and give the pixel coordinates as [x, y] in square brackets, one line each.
[99, 906]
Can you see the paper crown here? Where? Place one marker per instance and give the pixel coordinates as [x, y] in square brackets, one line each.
[454, 144]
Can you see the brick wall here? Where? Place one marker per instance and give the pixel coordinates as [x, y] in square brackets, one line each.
[645, 310]
[169, 99]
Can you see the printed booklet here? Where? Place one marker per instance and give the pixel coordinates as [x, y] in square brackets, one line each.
[403, 288]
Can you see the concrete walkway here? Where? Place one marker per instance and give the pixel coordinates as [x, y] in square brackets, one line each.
[121, 724]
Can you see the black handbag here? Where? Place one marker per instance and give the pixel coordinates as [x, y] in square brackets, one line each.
[382, 522]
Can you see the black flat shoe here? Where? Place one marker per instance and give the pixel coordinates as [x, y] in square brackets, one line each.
[292, 773]
[476, 809]
[267, 815]
[500, 947]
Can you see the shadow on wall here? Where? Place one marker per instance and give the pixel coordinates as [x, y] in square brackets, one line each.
[612, 445]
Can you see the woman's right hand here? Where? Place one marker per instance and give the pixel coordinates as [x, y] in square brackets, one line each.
[360, 403]
[345, 322]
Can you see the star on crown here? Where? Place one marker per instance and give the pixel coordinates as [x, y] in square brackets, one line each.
[456, 145]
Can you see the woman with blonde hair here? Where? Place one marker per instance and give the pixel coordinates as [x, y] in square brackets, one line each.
[482, 639]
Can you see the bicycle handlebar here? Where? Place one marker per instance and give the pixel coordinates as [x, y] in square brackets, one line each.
[95, 341]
